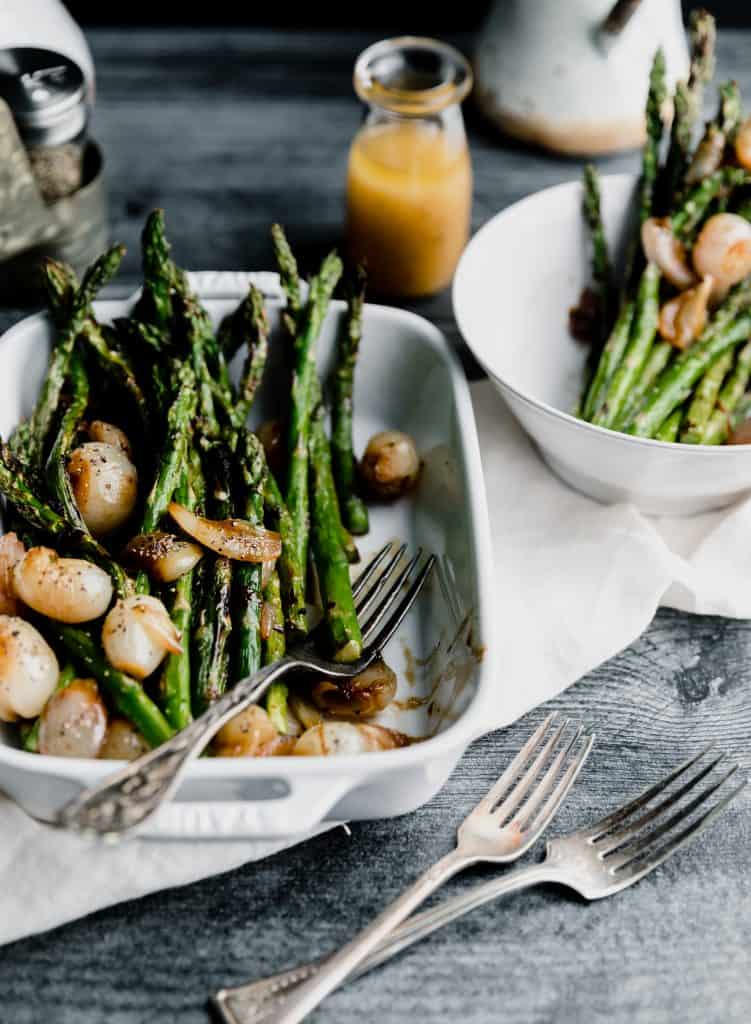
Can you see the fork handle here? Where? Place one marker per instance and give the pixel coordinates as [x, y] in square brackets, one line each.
[257, 1001]
[130, 797]
[306, 996]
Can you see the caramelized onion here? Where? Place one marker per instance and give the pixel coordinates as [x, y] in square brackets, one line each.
[331, 739]
[164, 556]
[74, 721]
[390, 465]
[268, 618]
[360, 697]
[663, 248]
[65, 589]
[723, 249]
[251, 734]
[100, 430]
[11, 553]
[684, 317]
[232, 538]
[28, 669]
[743, 144]
[122, 741]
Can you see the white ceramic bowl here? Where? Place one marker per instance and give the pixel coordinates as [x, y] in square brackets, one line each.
[513, 288]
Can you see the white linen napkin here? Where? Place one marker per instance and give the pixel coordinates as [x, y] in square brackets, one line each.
[576, 583]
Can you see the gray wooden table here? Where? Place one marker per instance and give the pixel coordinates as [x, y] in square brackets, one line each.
[229, 131]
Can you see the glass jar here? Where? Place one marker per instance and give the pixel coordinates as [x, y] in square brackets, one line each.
[409, 183]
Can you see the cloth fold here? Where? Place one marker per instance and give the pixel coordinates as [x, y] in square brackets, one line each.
[576, 583]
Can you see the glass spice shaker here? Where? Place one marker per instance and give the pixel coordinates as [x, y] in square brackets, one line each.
[409, 183]
[46, 94]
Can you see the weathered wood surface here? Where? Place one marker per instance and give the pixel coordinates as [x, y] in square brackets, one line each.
[229, 130]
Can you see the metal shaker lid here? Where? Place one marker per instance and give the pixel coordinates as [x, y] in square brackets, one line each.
[46, 93]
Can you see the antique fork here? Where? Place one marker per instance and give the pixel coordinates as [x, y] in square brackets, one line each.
[501, 828]
[597, 861]
[384, 593]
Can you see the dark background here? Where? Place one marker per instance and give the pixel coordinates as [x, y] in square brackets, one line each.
[408, 16]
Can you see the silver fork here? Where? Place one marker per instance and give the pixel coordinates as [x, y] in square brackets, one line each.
[501, 828]
[384, 593]
[597, 861]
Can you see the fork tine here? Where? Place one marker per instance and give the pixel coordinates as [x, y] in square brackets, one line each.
[630, 851]
[396, 610]
[367, 574]
[376, 589]
[386, 590]
[561, 790]
[513, 801]
[632, 872]
[612, 840]
[599, 827]
[528, 812]
[498, 788]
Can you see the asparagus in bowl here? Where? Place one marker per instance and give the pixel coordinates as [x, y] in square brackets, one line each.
[671, 341]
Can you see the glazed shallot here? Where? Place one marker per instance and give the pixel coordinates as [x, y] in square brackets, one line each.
[138, 634]
[164, 556]
[66, 589]
[667, 252]
[28, 669]
[723, 250]
[105, 485]
[74, 721]
[232, 538]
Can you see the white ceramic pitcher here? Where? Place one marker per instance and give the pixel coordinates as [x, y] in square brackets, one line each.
[545, 74]
[46, 25]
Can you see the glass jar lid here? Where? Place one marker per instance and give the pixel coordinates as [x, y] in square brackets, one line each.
[46, 93]
[412, 75]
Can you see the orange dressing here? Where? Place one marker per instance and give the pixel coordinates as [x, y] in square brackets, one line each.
[409, 197]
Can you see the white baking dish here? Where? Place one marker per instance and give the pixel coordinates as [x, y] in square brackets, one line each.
[407, 378]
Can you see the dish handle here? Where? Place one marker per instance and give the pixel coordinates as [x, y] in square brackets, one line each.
[269, 808]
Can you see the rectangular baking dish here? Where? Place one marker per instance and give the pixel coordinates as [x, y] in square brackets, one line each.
[407, 378]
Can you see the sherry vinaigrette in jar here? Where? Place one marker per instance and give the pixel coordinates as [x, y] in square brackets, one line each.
[409, 183]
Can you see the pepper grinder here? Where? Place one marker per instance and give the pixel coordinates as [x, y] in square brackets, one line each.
[52, 198]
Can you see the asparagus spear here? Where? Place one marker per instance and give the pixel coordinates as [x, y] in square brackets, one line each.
[688, 101]
[273, 649]
[172, 458]
[128, 696]
[57, 474]
[638, 349]
[668, 431]
[14, 486]
[116, 365]
[690, 213]
[612, 354]
[161, 278]
[311, 321]
[255, 327]
[98, 274]
[214, 625]
[248, 576]
[330, 559]
[354, 510]
[651, 156]
[655, 364]
[719, 424]
[174, 450]
[31, 739]
[274, 645]
[290, 277]
[176, 678]
[674, 386]
[703, 401]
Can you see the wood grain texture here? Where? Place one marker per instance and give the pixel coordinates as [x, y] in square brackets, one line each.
[228, 131]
